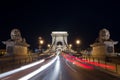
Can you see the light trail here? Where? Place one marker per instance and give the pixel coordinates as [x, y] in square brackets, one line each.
[56, 70]
[38, 70]
[21, 68]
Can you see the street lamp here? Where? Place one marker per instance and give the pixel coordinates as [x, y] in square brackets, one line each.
[78, 43]
[48, 45]
[41, 41]
[70, 46]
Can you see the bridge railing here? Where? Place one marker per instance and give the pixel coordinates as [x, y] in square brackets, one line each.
[106, 63]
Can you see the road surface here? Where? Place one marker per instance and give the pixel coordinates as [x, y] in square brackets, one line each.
[62, 69]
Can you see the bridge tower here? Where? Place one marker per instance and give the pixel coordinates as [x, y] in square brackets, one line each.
[59, 40]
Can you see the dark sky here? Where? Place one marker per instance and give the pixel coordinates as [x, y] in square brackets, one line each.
[82, 19]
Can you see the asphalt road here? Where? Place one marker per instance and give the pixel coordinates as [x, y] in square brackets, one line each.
[62, 69]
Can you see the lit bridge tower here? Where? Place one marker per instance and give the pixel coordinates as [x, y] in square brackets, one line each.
[59, 41]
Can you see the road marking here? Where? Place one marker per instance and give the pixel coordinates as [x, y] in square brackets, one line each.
[70, 67]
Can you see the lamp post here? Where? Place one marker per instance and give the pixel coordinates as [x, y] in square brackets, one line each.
[70, 46]
[78, 43]
[41, 41]
[48, 45]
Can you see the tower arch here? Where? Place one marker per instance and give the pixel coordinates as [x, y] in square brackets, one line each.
[59, 40]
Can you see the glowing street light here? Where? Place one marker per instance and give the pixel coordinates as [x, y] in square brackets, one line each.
[41, 42]
[70, 46]
[48, 45]
[78, 43]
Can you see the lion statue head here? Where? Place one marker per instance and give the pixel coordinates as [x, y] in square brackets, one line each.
[15, 34]
[104, 34]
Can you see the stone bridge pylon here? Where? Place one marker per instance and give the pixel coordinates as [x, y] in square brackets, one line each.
[59, 41]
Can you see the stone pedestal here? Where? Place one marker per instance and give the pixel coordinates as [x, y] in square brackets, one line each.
[110, 47]
[16, 46]
[103, 46]
[20, 50]
[98, 50]
[103, 49]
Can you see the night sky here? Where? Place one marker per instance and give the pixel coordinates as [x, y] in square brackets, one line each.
[82, 19]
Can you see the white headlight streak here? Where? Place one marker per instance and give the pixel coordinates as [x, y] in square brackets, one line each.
[38, 70]
[21, 68]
